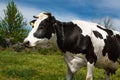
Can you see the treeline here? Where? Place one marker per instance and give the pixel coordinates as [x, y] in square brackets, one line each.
[12, 26]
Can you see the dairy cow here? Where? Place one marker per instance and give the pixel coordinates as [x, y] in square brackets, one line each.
[83, 43]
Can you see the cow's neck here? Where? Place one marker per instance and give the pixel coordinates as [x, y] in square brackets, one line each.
[70, 38]
[59, 30]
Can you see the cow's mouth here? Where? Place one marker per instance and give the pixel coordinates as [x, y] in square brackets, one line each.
[27, 44]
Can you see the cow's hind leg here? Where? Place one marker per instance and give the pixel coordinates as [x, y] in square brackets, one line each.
[107, 75]
[91, 60]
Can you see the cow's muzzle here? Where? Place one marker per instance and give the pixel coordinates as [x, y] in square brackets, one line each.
[26, 44]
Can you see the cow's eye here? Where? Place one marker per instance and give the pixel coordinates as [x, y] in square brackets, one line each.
[32, 26]
[41, 28]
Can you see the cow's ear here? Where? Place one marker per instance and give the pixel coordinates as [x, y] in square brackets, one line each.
[32, 23]
[53, 19]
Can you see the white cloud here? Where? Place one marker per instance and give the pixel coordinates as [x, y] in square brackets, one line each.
[28, 12]
[113, 4]
[116, 24]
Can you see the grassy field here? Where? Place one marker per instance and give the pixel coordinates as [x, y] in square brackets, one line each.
[37, 66]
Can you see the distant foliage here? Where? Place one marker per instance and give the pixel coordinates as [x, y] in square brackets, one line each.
[12, 25]
[106, 22]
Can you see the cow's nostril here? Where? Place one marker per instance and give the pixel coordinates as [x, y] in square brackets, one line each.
[26, 43]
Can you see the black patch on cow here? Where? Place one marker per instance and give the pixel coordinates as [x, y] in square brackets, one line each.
[45, 28]
[112, 47]
[109, 32]
[90, 55]
[74, 41]
[97, 34]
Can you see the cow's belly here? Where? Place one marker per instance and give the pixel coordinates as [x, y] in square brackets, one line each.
[105, 63]
[76, 61]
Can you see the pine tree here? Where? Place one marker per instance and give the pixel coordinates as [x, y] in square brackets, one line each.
[12, 25]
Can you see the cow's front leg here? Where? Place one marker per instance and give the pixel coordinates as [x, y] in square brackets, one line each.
[90, 69]
[74, 63]
[69, 74]
[71, 69]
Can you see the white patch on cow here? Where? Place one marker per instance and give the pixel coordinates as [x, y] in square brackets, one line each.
[98, 43]
[85, 26]
[90, 69]
[75, 61]
[33, 40]
[88, 27]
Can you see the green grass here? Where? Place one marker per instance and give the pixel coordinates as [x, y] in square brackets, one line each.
[36, 66]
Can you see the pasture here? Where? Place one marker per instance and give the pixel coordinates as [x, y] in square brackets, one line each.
[45, 64]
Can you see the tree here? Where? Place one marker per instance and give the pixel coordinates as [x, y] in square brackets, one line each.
[12, 25]
[108, 23]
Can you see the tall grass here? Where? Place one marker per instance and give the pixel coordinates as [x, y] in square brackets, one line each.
[36, 66]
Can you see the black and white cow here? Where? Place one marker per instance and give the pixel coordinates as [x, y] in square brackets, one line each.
[83, 43]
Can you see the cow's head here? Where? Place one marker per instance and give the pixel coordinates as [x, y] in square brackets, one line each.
[42, 29]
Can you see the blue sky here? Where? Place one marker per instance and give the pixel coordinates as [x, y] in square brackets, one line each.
[66, 10]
